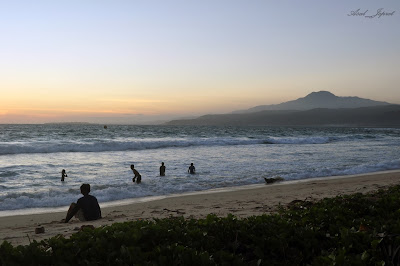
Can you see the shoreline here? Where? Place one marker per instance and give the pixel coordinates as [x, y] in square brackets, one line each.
[241, 201]
[123, 202]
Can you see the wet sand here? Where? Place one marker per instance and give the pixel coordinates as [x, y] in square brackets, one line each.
[241, 202]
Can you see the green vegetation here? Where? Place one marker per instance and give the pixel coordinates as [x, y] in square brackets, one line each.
[345, 230]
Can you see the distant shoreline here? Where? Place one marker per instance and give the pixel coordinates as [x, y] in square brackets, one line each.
[241, 202]
[376, 116]
[130, 201]
[188, 125]
[70, 123]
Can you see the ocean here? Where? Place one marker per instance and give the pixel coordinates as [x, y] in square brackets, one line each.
[33, 156]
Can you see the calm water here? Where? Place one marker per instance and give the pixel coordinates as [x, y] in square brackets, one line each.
[32, 157]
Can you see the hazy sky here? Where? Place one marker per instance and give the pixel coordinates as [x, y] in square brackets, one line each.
[124, 60]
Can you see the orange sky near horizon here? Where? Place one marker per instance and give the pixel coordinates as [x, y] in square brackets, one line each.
[102, 60]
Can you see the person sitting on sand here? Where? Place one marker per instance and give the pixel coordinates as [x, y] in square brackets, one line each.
[86, 208]
[162, 169]
[137, 176]
[63, 174]
[192, 169]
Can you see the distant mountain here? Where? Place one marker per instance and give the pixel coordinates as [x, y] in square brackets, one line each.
[316, 109]
[375, 116]
[321, 99]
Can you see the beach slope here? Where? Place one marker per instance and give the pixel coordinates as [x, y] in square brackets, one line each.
[241, 202]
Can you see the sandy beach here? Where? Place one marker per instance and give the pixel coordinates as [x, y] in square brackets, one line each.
[241, 201]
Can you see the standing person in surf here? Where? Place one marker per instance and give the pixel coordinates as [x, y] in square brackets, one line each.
[192, 169]
[63, 175]
[162, 169]
[137, 177]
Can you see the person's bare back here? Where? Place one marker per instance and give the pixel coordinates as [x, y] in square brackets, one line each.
[137, 177]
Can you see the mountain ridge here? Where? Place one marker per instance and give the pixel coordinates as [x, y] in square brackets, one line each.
[375, 116]
[330, 110]
[320, 99]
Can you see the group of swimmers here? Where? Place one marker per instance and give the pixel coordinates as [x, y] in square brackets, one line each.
[87, 207]
[137, 177]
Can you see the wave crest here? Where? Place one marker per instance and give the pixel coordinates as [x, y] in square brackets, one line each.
[101, 145]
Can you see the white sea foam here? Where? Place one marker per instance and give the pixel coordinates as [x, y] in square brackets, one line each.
[31, 161]
[143, 144]
[358, 169]
[106, 193]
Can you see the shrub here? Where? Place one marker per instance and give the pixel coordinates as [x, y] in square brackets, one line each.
[355, 229]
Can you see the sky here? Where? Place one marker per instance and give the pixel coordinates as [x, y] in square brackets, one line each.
[132, 61]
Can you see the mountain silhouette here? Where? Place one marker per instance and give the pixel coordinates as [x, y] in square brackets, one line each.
[316, 109]
[320, 99]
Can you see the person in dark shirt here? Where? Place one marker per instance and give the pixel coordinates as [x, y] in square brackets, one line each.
[192, 169]
[162, 169]
[63, 174]
[86, 209]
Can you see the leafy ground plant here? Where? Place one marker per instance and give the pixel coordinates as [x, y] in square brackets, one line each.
[346, 230]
